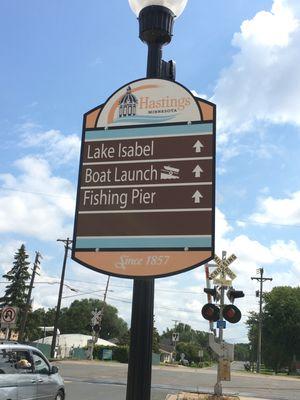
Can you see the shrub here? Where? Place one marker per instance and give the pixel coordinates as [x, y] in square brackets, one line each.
[119, 353]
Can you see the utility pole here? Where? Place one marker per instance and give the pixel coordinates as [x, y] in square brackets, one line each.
[66, 242]
[28, 300]
[97, 319]
[175, 331]
[261, 280]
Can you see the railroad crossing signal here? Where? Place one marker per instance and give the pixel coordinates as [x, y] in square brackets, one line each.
[211, 312]
[219, 275]
[231, 313]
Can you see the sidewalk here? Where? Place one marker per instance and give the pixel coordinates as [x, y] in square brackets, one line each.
[200, 396]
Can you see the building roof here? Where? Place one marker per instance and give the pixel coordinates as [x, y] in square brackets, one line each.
[75, 340]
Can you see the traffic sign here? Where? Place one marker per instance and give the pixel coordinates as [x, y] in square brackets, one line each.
[221, 324]
[145, 201]
[222, 271]
[9, 317]
[175, 337]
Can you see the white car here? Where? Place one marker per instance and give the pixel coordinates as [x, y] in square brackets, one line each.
[26, 374]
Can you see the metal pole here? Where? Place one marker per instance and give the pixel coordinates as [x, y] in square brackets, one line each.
[209, 299]
[28, 300]
[54, 337]
[218, 385]
[7, 333]
[141, 332]
[140, 354]
[155, 29]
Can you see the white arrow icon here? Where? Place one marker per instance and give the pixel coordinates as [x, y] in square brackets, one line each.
[197, 171]
[198, 146]
[197, 196]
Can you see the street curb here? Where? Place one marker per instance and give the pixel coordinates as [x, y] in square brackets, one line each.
[207, 396]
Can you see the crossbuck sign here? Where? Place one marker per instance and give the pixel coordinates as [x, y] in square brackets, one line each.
[219, 275]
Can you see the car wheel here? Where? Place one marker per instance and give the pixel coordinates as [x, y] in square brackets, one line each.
[60, 395]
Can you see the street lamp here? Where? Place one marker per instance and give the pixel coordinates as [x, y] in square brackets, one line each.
[175, 6]
[156, 20]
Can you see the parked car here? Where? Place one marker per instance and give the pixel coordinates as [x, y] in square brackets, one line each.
[26, 374]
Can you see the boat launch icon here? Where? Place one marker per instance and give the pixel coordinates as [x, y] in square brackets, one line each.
[169, 172]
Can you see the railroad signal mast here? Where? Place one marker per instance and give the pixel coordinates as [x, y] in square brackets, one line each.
[220, 312]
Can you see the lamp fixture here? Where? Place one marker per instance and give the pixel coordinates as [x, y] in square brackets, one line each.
[176, 6]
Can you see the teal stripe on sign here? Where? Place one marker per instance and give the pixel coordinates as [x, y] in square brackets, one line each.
[142, 242]
[149, 131]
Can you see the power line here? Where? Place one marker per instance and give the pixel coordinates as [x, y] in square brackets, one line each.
[228, 219]
[37, 193]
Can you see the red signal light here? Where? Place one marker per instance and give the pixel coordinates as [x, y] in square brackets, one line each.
[232, 314]
[210, 312]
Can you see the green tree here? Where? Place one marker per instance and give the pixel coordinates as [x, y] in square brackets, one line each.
[187, 334]
[18, 277]
[77, 319]
[280, 328]
[190, 342]
[155, 340]
[242, 352]
[36, 320]
[252, 323]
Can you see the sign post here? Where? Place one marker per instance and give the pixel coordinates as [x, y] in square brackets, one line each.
[145, 200]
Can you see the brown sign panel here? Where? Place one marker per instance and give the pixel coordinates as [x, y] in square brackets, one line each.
[146, 188]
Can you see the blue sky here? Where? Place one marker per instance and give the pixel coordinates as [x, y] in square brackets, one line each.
[60, 59]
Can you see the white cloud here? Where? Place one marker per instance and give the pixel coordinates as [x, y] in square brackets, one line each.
[56, 147]
[35, 202]
[263, 81]
[285, 211]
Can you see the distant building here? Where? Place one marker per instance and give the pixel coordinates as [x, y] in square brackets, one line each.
[66, 343]
[166, 349]
[127, 105]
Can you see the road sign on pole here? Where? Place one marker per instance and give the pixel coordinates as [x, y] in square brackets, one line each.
[175, 337]
[145, 202]
[219, 275]
[9, 317]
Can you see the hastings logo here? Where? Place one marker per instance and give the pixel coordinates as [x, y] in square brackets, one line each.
[144, 108]
[127, 105]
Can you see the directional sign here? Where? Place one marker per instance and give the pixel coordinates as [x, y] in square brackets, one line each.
[220, 273]
[145, 201]
[9, 316]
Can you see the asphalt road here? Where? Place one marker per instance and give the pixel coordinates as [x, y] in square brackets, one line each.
[107, 381]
